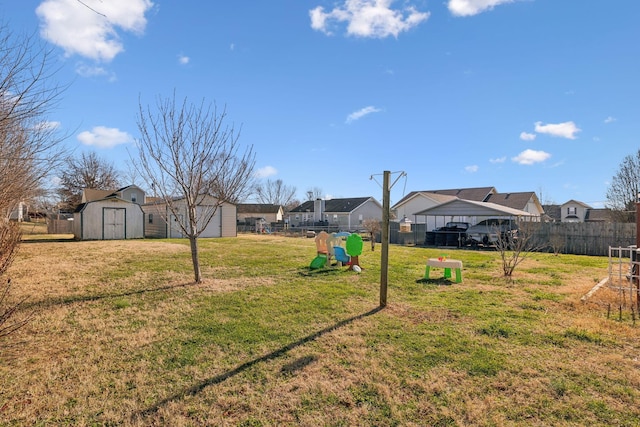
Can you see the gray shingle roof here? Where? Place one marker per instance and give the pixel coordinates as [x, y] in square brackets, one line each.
[512, 200]
[478, 194]
[262, 208]
[334, 205]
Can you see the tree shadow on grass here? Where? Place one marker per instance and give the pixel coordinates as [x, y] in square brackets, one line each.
[306, 272]
[51, 302]
[196, 388]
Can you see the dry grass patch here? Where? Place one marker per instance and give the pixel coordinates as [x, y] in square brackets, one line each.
[127, 339]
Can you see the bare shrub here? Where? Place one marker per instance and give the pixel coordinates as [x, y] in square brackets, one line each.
[515, 247]
[9, 241]
[556, 243]
[373, 227]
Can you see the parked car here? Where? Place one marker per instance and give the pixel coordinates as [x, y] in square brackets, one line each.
[452, 234]
[454, 226]
[488, 231]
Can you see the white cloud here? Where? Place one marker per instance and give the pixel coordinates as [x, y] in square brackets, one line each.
[93, 34]
[473, 7]
[610, 120]
[527, 136]
[85, 70]
[529, 157]
[48, 125]
[471, 169]
[183, 60]
[564, 130]
[104, 137]
[356, 115]
[368, 18]
[266, 172]
[498, 160]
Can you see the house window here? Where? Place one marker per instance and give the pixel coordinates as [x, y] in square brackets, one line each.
[335, 218]
[150, 218]
[360, 219]
[134, 197]
[572, 210]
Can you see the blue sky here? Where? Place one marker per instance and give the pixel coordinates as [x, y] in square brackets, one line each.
[523, 95]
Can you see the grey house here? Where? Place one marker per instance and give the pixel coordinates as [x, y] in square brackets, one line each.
[346, 214]
[267, 212]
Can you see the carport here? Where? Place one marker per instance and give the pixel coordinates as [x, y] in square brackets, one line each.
[468, 211]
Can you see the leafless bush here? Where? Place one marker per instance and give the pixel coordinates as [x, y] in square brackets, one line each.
[373, 227]
[556, 243]
[515, 247]
[9, 242]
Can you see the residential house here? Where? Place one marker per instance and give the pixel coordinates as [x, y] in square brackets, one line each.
[525, 201]
[267, 212]
[417, 201]
[160, 222]
[552, 213]
[474, 211]
[574, 211]
[345, 214]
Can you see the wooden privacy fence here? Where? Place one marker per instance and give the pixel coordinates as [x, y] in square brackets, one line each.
[59, 226]
[584, 238]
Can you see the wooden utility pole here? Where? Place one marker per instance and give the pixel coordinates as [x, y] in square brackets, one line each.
[386, 213]
[384, 260]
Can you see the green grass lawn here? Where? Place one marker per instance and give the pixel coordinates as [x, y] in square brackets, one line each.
[119, 335]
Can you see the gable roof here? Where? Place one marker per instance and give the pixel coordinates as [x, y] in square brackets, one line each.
[460, 207]
[335, 205]
[263, 208]
[127, 187]
[91, 194]
[514, 200]
[576, 202]
[478, 193]
[438, 198]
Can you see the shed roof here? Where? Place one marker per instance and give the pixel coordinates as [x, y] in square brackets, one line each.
[460, 207]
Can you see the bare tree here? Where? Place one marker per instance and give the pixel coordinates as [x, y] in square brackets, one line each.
[624, 189]
[373, 227]
[275, 193]
[29, 144]
[515, 246]
[191, 158]
[314, 193]
[86, 171]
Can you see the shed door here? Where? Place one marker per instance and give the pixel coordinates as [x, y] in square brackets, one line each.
[113, 223]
